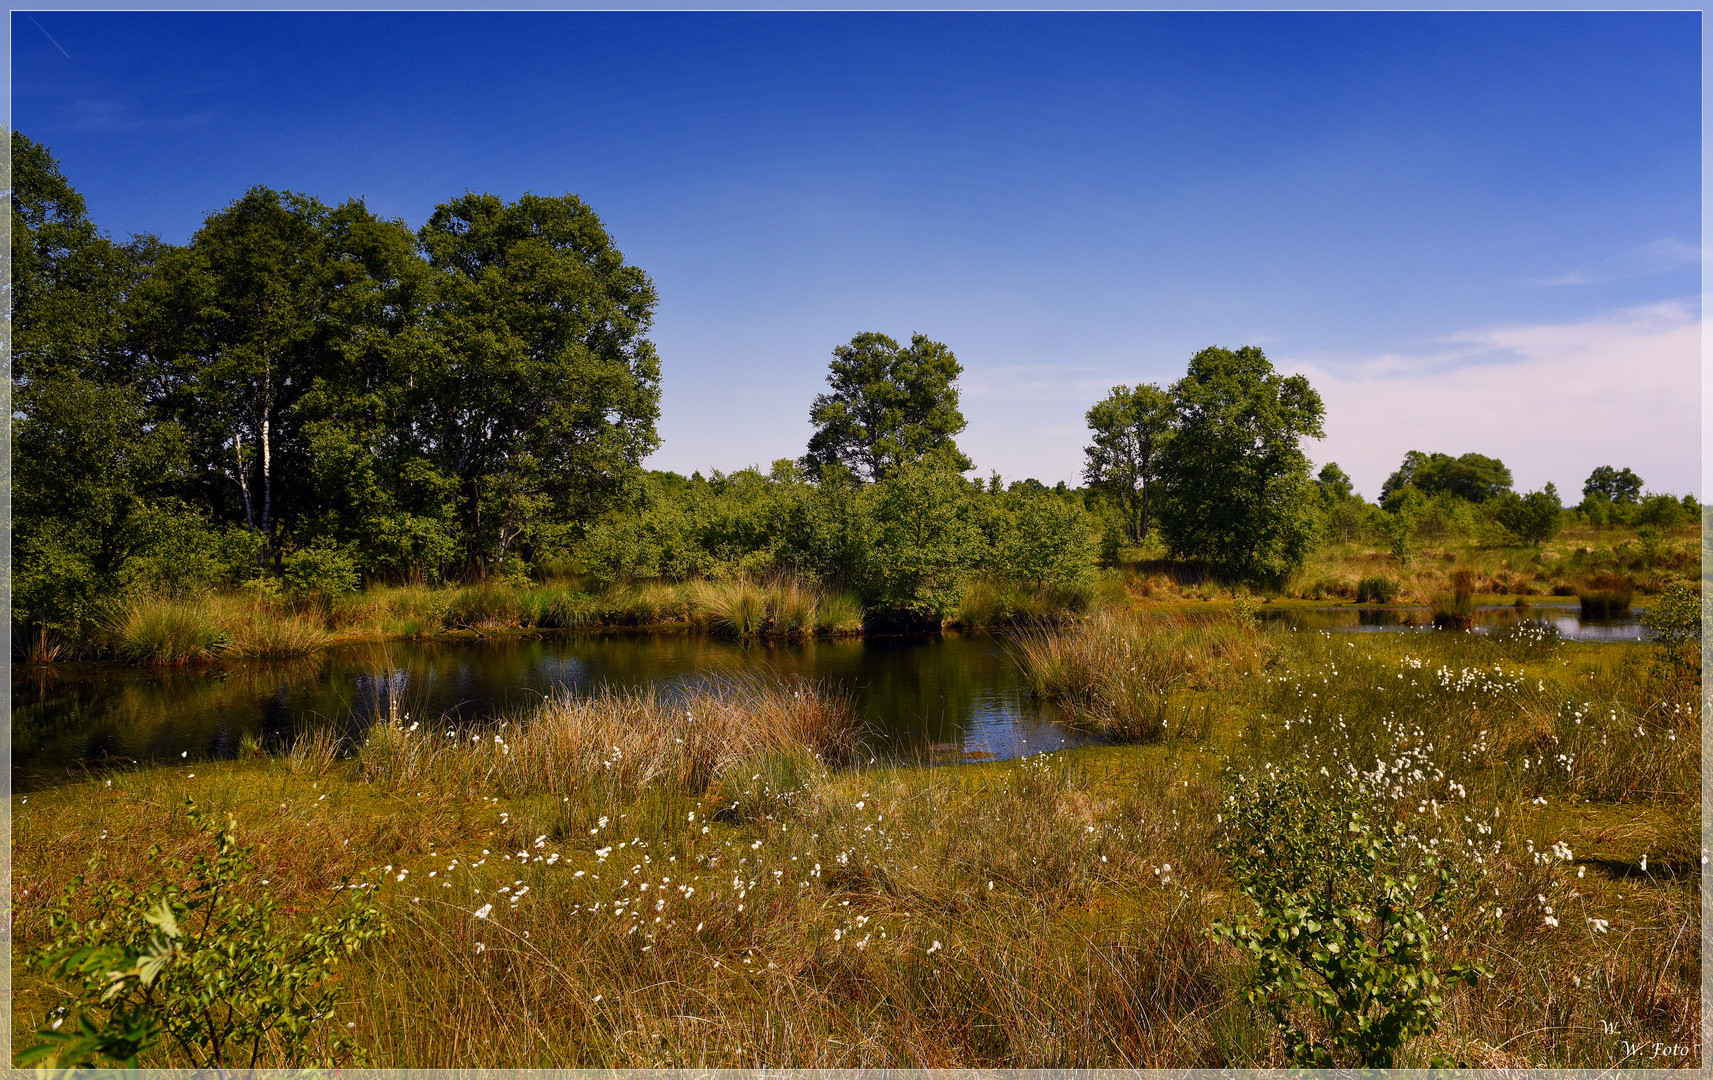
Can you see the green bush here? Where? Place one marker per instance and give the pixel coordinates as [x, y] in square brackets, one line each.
[192, 966]
[1675, 622]
[1533, 518]
[322, 571]
[1345, 930]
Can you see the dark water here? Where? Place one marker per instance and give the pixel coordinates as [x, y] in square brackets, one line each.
[1567, 620]
[942, 699]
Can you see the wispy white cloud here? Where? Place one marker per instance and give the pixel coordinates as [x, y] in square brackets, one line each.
[1552, 400]
[1655, 257]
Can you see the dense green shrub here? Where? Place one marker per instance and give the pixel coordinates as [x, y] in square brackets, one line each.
[322, 571]
[1344, 930]
[1533, 518]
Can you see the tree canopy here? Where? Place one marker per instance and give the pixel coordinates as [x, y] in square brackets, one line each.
[299, 374]
[888, 406]
[1238, 491]
[1130, 426]
[1615, 485]
[1474, 477]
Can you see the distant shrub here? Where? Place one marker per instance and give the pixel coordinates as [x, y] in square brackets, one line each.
[1660, 511]
[1534, 518]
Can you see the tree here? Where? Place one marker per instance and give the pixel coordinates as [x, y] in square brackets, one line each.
[1342, 510]
[889, 406]
[540, 394]
[236, 322]
[1238, 491]
[1533, 517]
[1130, 426]
[1617, 486]
[923, 542]
[1473, 477]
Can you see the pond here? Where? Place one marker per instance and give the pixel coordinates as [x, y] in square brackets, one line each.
[1568, 620]
[944, 699]
[940, 699]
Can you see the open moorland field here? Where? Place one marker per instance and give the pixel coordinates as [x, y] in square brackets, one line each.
[1335, 849]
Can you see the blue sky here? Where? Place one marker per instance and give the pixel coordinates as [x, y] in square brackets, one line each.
[1472, 231]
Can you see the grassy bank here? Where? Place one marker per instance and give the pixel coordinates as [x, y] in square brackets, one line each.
[1583, 560]
[153, 630]
[637, 881]
[1606, 568]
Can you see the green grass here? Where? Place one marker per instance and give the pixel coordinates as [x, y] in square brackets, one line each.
[1069, 895]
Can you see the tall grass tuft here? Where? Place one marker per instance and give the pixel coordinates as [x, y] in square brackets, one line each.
[1376, 590]
[1115, 673]
[1456, 610]
[618, 744]
[1606, 594]
[989, 603]
[784, 607]
[148, 630]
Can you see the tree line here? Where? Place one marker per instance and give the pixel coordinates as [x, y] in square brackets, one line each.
[316, 394]
[300, 377]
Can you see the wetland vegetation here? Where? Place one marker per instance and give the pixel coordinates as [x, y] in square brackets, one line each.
[309, 426]
[716, 879]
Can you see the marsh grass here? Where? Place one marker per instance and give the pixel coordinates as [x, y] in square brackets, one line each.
[987, 604]
[783, 608]
[1456, 610]
[1118, 673]
[803, 909]
[163, 632]
[1606, 594]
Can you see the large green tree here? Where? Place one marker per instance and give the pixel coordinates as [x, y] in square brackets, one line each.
[888, 406]
[542, 391]
[94, 473]
[1238, 491]
[236, 323]
[1130, 427]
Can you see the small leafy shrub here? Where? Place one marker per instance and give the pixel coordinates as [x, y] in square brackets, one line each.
[1675, 622]
[322, 571]
[1343, 942]
[1376, 590]
[193, 968]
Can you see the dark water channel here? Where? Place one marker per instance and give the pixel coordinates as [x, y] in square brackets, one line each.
[1566, 619]
[939, 699]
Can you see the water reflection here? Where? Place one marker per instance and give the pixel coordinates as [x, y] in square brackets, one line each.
[1568, 621]
[937, 699]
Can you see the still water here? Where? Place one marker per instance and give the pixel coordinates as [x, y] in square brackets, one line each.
[944, 699]
[1567, 620]
[941, 699]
